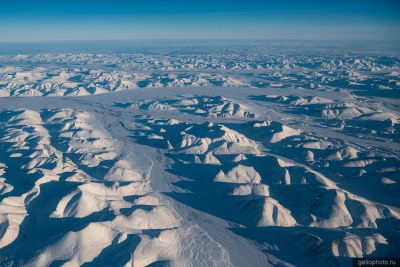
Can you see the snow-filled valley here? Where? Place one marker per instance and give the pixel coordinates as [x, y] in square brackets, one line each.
[219, 158]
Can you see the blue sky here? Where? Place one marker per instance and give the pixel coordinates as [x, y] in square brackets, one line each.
[43, 20]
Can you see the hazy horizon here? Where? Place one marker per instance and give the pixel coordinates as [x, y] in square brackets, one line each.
[126, 20]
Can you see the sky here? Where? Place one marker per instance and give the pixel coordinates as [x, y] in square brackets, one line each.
[51, 20]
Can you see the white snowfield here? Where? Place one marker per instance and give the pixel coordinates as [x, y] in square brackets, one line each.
[221, 159]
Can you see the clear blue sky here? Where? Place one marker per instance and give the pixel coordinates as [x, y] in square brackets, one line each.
[42, 20]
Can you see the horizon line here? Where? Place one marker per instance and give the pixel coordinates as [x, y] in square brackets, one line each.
[196, 39]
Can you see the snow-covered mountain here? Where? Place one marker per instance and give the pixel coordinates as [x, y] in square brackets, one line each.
[197, 159]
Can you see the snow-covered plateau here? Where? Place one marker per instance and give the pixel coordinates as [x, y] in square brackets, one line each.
[226, 158]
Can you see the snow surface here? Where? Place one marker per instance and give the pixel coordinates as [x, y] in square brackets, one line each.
[229, 158]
